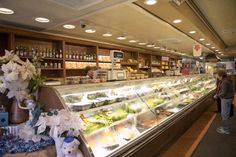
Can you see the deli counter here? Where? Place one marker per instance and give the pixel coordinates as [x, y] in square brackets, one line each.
[121, 118]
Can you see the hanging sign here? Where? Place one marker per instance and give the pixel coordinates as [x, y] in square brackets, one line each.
[197, 50]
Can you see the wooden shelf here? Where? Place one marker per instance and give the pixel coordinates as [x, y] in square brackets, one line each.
[129, 64]
[75, 68]
[155, 65]
[42, 58]
[22, 57]
[144, 67]
[59, 59]
[51, 68]
[104, 61]
[75, 60]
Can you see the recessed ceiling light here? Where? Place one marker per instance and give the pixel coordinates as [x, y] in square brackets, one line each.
[133, 41]
[150, 45]
[213, 47]
[207, 44]
[42, 19]
[216, 50]
[121, 38]
[156, 47]
[68, 26]
[142, 43]
[177, 21]
[108, 34]
[162, 48]
[6, 11]
[150, 2]
[201, 39]
[219, 52]
[90, 30]
[192, 32]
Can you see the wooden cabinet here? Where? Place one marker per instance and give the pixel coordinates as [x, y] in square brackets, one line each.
[63, 57]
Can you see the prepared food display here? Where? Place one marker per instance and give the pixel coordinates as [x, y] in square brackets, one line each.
[115, 114]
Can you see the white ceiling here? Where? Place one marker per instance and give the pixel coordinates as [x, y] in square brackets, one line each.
[222, 16]
[120, 17]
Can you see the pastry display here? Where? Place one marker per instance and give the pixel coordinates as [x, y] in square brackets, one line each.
[116, 114]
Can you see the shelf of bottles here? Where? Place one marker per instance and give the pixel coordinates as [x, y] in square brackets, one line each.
[79, 57]
[49, 53]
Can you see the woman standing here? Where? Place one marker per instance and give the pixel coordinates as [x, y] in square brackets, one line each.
[226, 95]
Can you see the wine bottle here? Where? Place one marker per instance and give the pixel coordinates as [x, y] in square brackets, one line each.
[17, 51]
[67, 54]
[60, 53]
[25, 52]
[21, 51]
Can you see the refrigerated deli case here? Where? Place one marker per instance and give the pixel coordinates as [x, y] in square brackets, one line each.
[120, 118]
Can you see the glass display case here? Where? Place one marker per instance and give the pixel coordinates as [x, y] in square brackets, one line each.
[117, 115]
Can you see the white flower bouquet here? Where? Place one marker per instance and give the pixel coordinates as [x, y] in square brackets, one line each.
[16, 76]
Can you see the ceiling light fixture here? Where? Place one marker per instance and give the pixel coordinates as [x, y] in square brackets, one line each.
[42, 19]
[219, 52]
[201, 39]
[222, 54]
[6, 11]
[162, 48]
[121, 37]
[142, 43]
[150, 2]
[177, 21]
[108, 34]
[207, 44]
[192, 32]
[216, 50]
[213, 47]
[156, 47]
[150, 45]
[90, 30]
[133, 41]
[68, 26]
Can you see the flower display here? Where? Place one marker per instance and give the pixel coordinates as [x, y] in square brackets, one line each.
[16, 76]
